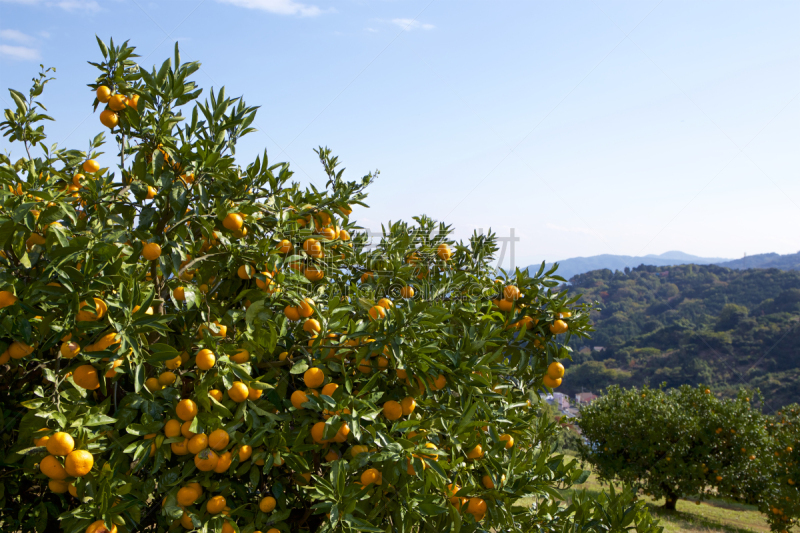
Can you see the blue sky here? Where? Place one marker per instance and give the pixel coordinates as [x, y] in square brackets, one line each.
[587, 127]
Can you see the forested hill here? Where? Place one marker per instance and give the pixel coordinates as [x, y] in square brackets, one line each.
[691, 324]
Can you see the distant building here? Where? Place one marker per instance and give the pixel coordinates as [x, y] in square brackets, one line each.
[585, 397]
[561, 401]
[599, 348]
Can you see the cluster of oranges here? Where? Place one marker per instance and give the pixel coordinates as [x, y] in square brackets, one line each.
[115, 103]
[75, 463]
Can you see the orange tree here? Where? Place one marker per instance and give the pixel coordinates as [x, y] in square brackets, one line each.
[188, 343]
[677, 443]
[780, 499]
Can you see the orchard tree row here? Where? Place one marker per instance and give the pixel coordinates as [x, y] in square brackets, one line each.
[686, 442]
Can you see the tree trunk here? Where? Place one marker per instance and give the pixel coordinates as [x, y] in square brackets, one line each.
[670, 503]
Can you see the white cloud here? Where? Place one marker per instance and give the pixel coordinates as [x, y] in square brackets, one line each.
[372, 30]
[412, 24]
[16, 36]
[281, 7]
[19, 52]
[67, 5]
[77, 5]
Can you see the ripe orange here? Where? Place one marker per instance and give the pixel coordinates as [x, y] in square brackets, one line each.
[206, 460]
[313, 248]
[18, 350]
[284, 247]
[117, 102]
[439, 383]
[477, 508]
[267, 504]
[298, 398]
[85, 376]
[103, 94]
[172, 428]
[91, 166]
[312, 273]
[407, 292]
[241, 357]
[60, 443]
[392, 410]
[243, 273]
[7, 298]
[504, 305]
[254, 394]
[58, 486]
[555, 370]
[216, 394]
[408, 405]
[186, 410]
[132, 101]
[180, 448]
[205, 359]
[511, 293]
[377, 312]
[291, 313]
[233, 221]
[198, 443]
[551, 383]
[305, 308]
[165, 379]
[329, 389]
[151, 251]
[244, 452]
[109, 119]
[152, 384]
[151, 192]
[371, 475]
[366, 276]
[314, 377]
[317, 431]
[238, 392]
[52, 468]
[508, 439]
[218, 439]
[311, 326]
[187, 496]
[78, 463]
[100, 527]
[224, 463]
[443, 251]
[558, 326]
[215, 504]
[476, 452]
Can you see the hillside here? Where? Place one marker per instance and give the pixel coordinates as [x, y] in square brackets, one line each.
[580, 265]
[783, 262]
[691, 324]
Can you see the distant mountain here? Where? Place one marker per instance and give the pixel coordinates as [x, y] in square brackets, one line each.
[579, 265]
[783, 262]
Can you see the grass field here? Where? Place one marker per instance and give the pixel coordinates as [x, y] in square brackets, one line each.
[711, 516]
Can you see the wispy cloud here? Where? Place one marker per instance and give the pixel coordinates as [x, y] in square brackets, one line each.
[281, 7]
[412, 24]
[15, 36]
[67, 5]
[22, 53]
[371, 30]
[77, 5]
